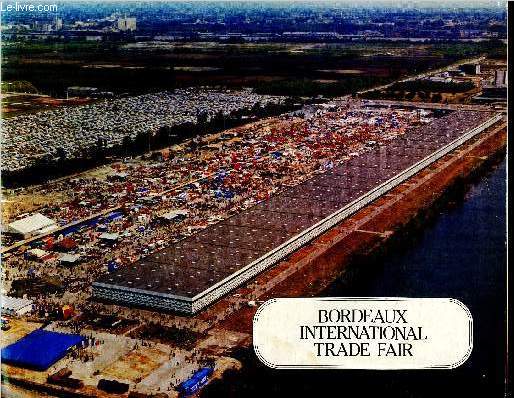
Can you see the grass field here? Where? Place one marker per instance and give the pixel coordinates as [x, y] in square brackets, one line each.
[287, 68]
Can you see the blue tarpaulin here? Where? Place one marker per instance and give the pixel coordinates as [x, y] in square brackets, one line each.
[40, 349]
[196, 381]
[112, 266]
[93, 222]
[228, 194]
[70, 230]
[113, 216]
[225, 193]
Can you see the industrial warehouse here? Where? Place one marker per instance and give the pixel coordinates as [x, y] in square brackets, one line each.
[194, 272]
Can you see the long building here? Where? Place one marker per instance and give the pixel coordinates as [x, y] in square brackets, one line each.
[193, 273]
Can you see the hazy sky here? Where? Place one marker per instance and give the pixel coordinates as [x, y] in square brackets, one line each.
[417, 3]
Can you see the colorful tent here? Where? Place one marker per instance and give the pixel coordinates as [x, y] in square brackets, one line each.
[40, 349]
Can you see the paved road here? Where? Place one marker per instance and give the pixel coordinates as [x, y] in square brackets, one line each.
[425, 74]
[430, 105]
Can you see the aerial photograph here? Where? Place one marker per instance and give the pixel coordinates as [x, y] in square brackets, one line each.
[169, 166]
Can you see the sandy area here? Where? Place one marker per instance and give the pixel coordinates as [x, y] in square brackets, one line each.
[137, 364]
[18, 330]
[14, 205]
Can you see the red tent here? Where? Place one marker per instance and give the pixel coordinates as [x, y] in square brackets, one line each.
[66, 244]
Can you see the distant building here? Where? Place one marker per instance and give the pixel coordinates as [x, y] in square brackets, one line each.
[495, 92]
[441, 79]
[127, 24]
[78, 91]
[58, 23]
[94, 38]
[454, 73]
[500, 77]
[492, 94]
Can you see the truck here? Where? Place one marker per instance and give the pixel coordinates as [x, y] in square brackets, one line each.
[193, 384]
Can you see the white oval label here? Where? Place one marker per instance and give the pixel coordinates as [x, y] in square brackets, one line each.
[363, 333]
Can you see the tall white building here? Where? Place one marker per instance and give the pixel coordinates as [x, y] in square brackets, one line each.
[125, 24]
[500, 77]
[58, 23]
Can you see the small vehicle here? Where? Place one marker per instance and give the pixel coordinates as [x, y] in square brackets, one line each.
[5, 324]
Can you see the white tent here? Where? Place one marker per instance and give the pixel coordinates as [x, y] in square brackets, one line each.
[37, 253]
[69, 258]
[15, 306]
[32, 225]
[109, 236]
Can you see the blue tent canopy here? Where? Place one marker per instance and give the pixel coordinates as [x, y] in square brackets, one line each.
[40, 349]
[112, 266]
[113, 216]
[196, 381]
[228, 194]
[93, 221]
[71, 230]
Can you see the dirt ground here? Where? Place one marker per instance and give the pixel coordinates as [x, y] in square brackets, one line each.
[137, 364]
[18, 330]
[14, 205]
